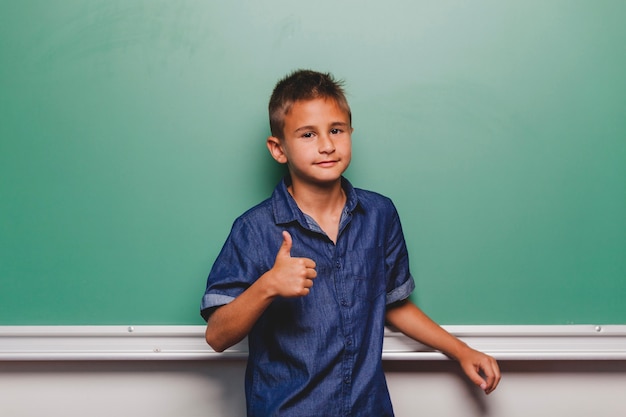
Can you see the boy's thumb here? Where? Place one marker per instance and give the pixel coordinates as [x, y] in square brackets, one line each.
[285, 248]
[477, 379]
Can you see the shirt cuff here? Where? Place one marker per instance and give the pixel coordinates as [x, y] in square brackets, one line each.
[215, 300]
[402, 292]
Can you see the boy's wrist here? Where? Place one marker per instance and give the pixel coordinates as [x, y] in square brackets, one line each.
[459, 350]
[266, 285]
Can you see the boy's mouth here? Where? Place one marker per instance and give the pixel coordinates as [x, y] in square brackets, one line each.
[327, 163]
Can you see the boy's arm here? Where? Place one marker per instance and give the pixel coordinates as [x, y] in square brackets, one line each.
[411, 321]
[230, 323]
[289, 277]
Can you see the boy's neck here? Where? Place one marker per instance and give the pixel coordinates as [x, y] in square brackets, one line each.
[324, 203]
[318, 198]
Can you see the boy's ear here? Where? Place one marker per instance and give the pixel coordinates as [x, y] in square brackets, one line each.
[275, 147]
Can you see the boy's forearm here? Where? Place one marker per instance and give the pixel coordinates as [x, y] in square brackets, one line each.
[413, 322]
[232, 322]
[409, 319]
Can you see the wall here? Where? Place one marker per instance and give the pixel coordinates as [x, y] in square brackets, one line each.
[215, 389]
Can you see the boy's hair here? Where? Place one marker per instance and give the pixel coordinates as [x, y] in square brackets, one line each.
[303, 85]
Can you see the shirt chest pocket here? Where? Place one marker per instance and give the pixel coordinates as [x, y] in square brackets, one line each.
[368, 273]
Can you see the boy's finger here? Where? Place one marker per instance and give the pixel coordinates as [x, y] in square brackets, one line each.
[473, 374]
[478, 380]
[493, 377]
[311, 272]
[309, 263]
[285, 248]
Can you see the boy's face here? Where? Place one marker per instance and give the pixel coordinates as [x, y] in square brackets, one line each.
[317, 144]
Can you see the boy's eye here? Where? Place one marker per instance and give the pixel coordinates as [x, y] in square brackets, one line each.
[308, 135]
[335, 131]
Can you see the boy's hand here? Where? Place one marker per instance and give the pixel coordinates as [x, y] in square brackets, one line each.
[475, 364]
[292, 277]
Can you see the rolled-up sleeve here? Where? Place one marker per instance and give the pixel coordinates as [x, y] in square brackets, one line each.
[400, 283]
[235, 268]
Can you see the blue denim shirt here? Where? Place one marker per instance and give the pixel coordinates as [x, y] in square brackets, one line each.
[318, 355]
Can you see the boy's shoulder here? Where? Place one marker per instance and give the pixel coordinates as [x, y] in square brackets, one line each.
[262, 209]
[368, 195]
[368, 198]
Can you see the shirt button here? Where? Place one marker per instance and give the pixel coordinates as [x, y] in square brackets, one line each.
[344, 303]
[349, 341]
[338, 265]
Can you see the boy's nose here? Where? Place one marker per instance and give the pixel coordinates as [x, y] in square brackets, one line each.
[326, 144]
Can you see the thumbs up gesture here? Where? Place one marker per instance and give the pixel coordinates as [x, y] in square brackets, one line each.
[292, 277]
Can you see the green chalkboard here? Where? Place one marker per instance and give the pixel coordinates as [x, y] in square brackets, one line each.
[133, 133]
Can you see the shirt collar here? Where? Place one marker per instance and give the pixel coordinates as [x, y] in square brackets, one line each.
[286, 210]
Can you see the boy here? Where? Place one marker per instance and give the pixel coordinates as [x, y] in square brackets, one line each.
[312, 274]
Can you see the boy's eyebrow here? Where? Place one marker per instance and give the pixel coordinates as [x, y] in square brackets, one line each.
[304, 128]
[311, 127]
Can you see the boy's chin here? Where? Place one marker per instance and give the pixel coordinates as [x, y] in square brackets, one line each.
[325, 182]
